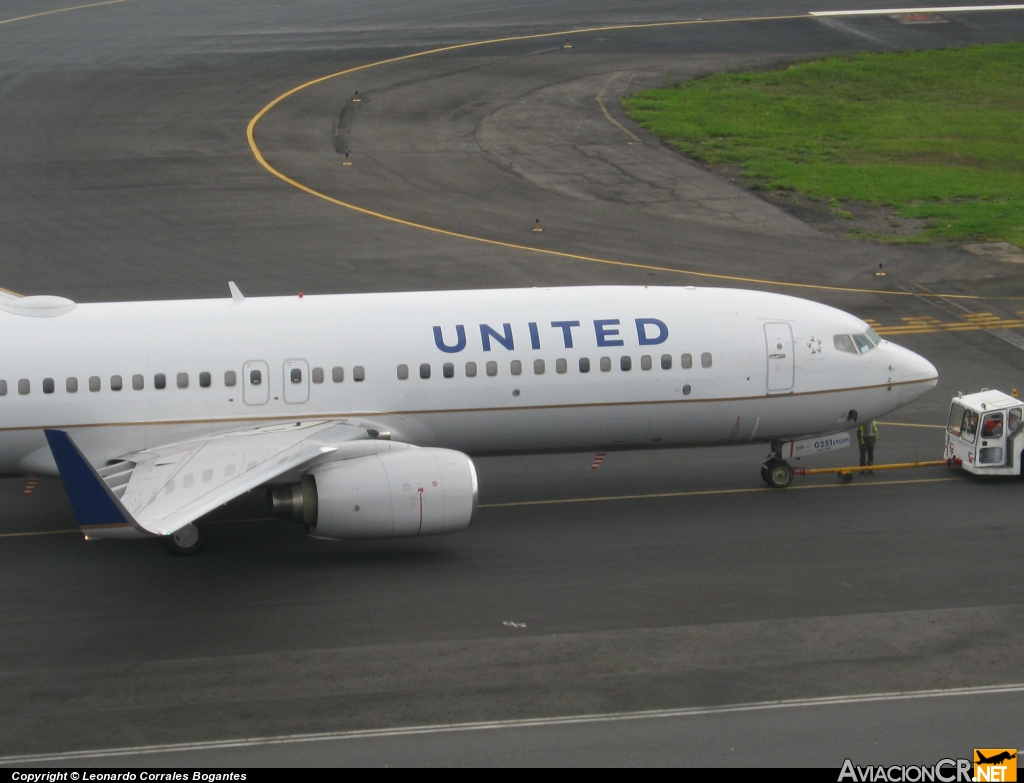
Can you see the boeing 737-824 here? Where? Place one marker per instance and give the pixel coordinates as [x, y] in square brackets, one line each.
[357, 412]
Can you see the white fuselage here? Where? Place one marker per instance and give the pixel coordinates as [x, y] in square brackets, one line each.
[752, 390]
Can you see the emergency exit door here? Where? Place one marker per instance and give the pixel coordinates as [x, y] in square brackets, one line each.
[778, 338]
[255, 383]
[296, 380]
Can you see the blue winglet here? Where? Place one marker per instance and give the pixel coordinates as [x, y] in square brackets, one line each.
[94, 504]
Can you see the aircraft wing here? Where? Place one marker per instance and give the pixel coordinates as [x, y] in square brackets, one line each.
[161, 490]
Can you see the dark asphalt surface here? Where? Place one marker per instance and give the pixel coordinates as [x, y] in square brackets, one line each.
[125, 174]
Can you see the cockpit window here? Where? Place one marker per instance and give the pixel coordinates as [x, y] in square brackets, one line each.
[856, 343]
[862, 342]
[844, 343]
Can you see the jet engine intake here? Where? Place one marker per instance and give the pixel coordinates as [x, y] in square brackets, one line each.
[397, 493]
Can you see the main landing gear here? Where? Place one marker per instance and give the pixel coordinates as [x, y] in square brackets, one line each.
[186, 541]
[775, 471]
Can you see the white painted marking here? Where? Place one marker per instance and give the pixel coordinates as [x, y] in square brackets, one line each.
[929, 10]
[570, 720]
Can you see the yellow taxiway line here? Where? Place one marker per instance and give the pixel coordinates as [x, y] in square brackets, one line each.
[258, 154]
[707, 492]
[58, 11]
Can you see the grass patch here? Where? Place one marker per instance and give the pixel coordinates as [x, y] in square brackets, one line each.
[937, 135]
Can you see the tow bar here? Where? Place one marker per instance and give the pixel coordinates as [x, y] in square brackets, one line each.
[846, 474]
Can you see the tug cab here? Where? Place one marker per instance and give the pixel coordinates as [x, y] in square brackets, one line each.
[985, 433]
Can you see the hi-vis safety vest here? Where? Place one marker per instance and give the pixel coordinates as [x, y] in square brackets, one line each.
[872, 434]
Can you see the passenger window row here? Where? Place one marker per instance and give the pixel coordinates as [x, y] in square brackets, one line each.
[181, 380]
[561, 366]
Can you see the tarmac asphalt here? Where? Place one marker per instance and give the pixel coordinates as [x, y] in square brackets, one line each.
[665, 580]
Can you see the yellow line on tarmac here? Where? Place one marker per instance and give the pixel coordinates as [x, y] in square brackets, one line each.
[251, 136]
[699, 493]
[58, 11]
[39, 533]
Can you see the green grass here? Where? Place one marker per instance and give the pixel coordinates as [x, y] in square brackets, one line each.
[937, 135]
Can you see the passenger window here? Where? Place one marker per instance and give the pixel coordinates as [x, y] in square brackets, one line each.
[94, 383]
[337, 374]
[646, 363]
[705, 360]
[47, 385]
[448, 370]
[3, 388]
[182, 380]
[516, 367]
[686, 361]
[159, 381]
[666, 361]
[492, 368]
[561, 365]
[295, 376]
[1013, 420]
[71, 385]
[843, 343]
[992, 428]
[403, 372]
[584, 364]
[116, 383]
[138, 382]
[625, 363]
[538, 366]
[424, 370]
[358, 374]
[205, 380]
[255, 377]
[317, 375]
[24, 387]
[606, 364]
[470, 369]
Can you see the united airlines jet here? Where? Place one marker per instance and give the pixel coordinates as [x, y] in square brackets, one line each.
[357, 412]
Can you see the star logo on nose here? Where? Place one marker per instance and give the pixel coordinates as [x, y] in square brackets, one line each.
[814, 345]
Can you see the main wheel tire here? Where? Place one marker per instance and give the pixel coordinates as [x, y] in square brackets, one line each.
[764, 475]
[184, 541]
[780, 475]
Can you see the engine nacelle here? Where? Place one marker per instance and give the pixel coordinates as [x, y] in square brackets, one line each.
[412, 492]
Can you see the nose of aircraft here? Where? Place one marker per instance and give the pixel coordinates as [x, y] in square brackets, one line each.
[919, 375]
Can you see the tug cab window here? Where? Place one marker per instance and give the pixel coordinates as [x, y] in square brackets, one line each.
[963, 423]
[993, 426]
[1013, 420]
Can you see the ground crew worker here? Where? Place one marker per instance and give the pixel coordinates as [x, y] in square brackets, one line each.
[866, 438]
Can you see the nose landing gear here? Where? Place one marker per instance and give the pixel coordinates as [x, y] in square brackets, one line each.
[775, 471]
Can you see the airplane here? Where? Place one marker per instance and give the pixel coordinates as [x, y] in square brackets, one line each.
[357, 413]
[996, 759]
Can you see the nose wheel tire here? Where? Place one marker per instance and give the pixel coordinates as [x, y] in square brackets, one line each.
[185, 541]
[777, 473]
